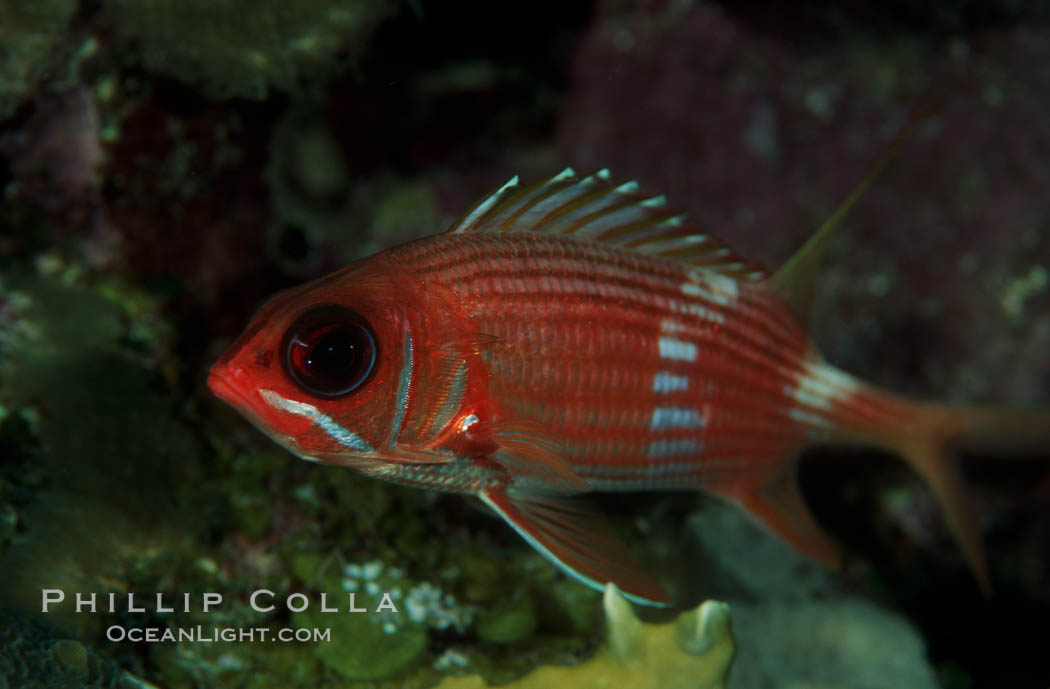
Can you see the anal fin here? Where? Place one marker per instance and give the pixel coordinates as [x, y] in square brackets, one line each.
[575, 538]
[776, 501]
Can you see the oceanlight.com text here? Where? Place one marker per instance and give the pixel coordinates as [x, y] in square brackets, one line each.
[202, 633]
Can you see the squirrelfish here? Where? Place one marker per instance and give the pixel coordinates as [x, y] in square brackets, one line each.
[576, 336]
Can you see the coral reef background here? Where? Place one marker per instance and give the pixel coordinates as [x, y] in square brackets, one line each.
[165, 165]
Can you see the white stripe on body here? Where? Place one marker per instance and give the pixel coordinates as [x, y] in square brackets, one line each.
[818, 388]
[665, 381]
[450, 406]
[712, 286]
[404, 384]
[343, 436]
[668, 418]
[674, 349]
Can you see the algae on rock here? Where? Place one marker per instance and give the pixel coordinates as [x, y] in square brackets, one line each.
[242, 49]
[365, 644]
[360, 648]
[37, 655]
[117, 460]
[30, 35]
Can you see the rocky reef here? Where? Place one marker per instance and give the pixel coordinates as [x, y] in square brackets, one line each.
[35, 655]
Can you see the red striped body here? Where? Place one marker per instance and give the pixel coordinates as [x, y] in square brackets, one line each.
[567, 337]
[643, 384]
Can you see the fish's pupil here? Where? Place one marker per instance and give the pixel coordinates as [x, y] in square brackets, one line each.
[334, 355]
[329, 352]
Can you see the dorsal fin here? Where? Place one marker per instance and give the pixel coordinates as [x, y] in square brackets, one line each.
[598, 209]
[793, 281]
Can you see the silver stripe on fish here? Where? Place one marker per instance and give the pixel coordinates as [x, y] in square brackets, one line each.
[808, 418]
[665, 381]
[671, 447]
[450, 407]
[676, 417]
[404, 383]
[343, 436]
[637, 471]
[677, 350]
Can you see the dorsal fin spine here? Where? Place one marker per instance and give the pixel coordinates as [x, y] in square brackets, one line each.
[478, 210]
[598, 209]
[613, 207]
[658, 246]
[584, 199]
[626, 230]
[566, 174]
[543, 193]
[793, 281]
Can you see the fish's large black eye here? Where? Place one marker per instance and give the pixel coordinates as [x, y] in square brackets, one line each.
[329, 351]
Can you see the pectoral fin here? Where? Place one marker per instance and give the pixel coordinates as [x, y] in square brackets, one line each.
[526, 450]
[399, 454]
[575, 538]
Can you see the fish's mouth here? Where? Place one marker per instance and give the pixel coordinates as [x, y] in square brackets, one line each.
[220, 386]
[223, 384]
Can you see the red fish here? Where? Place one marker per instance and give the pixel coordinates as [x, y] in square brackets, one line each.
[576, 336]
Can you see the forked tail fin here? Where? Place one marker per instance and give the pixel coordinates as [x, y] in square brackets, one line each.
[930, 437]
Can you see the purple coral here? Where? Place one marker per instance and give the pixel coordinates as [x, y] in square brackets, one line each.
[56, 156]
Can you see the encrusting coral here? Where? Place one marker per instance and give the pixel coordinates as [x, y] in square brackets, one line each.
[694, 652]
